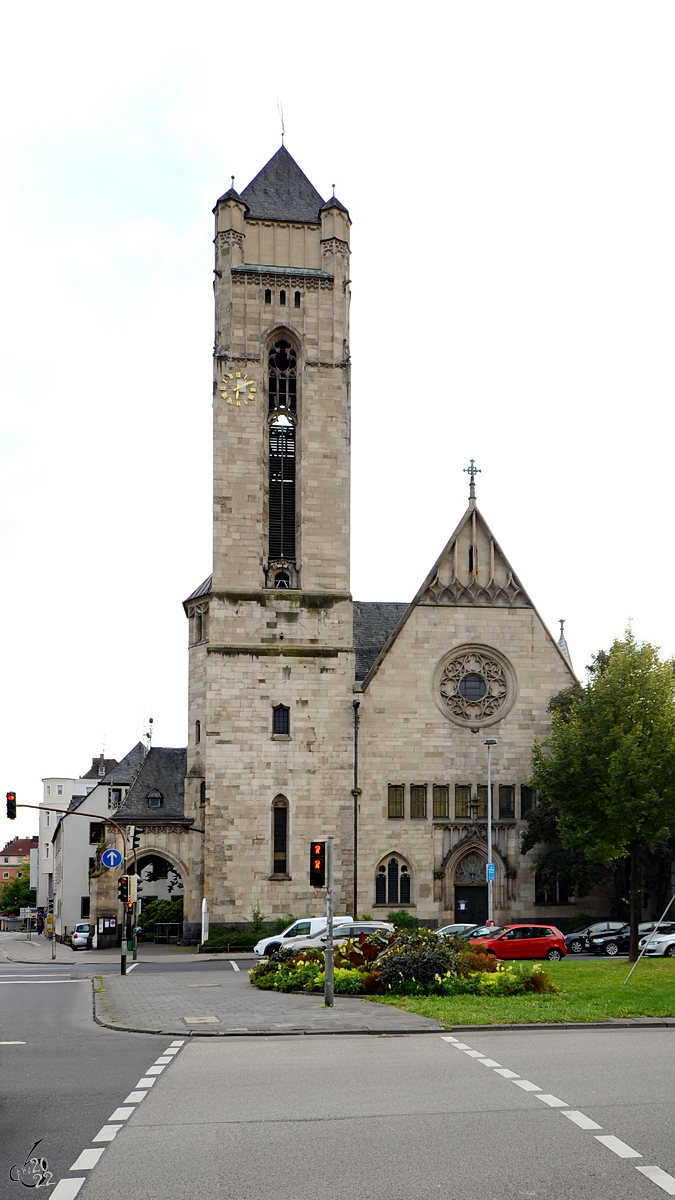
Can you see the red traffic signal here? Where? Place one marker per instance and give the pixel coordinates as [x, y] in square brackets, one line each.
[11, 806]
[317, 864]
[123, 889]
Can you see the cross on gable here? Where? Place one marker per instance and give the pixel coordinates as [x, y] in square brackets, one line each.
[472, 470]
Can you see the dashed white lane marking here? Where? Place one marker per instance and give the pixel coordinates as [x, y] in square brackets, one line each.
[474, 1053]
[446, 1038]
[135, 1097]
[461, 1046]
[615, 1144]
[581, 1119]
[489, 1062]
[87, 1159]
[181, 1043]
[145, 1083]
[552, 1101]
[12, 1043]
[121, 1114]
[164, 1059]
[155, 1070]
[235, 966]
[661, 1178]
[21, 981]
[132, 967]
[506, 1073]
[67, 1189]
[107, 1133]
[526, 1085]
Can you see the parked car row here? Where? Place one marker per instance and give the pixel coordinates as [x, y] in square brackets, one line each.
[618, 942]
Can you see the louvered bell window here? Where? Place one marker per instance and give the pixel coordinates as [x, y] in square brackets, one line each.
[282, 489]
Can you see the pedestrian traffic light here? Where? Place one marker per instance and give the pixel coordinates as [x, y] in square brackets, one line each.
[135, 836]
[11, 806]
[317, 864]
[123, 889]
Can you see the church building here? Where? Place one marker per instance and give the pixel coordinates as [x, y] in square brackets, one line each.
[311, 714]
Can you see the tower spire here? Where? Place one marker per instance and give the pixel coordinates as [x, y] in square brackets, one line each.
[472, 471]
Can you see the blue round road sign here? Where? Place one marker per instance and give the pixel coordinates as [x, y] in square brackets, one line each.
[111, 858]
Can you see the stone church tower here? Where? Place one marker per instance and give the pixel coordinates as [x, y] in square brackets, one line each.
[271, 648]
[289, 678]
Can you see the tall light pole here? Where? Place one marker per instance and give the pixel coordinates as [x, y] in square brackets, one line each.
[490, 742]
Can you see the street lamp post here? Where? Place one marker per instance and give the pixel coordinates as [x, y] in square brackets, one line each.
[490, 742]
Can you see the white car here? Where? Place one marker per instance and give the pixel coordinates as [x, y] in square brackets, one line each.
[346, 930]
[663, 942]
[80, 935]
[304, 929]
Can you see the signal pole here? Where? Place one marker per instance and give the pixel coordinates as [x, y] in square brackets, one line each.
[328, 967]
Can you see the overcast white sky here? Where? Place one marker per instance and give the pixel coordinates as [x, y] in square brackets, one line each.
[508, 167]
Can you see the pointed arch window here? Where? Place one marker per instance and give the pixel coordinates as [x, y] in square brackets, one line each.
[282, 376]
[393, 882]
[280, 836]
[282, 488]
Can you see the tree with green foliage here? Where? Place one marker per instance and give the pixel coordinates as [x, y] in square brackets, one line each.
[608, 769]
[16, 894]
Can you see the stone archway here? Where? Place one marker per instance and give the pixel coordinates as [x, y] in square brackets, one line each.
[159, 879]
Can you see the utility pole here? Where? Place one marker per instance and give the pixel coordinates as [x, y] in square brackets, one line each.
[489, 742]
[356, 792]
[328, 968]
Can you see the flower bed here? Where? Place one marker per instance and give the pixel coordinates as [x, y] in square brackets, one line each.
[416, 963]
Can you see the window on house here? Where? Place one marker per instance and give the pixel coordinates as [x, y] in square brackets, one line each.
[462, 801]
[96, 832]
[297, 299]
[528, 799]
[282, 376]
[547, 891]
[507, 801]
[441, 800]
[202, 792]
[282, 296]
[282, 488]
[5, 874]
[268, 296]
[47, 816]
[281, 719]
[198, 731]
[155, 799]
[481, 801]
[392, 883]
[85, 904]
[48, 789]
[59, 789]
[280, 836]
[46, 849]
[395, 802]
[418, 800]
[115, 798]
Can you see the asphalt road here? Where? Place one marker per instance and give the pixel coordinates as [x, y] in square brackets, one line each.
[406, 1118]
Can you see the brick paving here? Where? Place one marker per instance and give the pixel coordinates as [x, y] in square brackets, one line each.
[160, 1003]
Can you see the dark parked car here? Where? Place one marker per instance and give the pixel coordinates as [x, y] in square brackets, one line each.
[577, 942]
[619, 942]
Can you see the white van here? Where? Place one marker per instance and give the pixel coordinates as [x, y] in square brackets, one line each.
[299, 929]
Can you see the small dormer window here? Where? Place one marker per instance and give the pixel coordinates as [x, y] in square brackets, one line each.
[155, 799]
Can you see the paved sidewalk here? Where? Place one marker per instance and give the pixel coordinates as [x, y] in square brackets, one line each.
[169, 1004]
[15, 947]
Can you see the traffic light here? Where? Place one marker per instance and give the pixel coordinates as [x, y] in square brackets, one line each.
[317, 864]
[132, 888]
[11, 806]
[135, 836]
[123, 889]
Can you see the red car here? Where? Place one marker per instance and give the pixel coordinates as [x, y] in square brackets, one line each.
[524, 941]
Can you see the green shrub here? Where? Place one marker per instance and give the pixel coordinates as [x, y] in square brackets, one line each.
[347, 981]
[403, 920]
[504, 981]
[417, 962]
[224, 937]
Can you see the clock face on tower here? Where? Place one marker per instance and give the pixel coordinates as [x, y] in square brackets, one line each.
[237, 388]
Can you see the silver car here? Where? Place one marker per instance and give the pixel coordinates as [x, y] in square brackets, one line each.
[318, 942]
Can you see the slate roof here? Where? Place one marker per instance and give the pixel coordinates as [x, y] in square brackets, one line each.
[96, 763]
[203, 589]
[164, 771]
[282, 192]
[374, 623]
[123, 772]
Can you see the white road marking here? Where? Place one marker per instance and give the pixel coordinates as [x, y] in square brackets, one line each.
[181, 1043]
[121, 1114]
[506, 1073]
[616, 1145]
[172, 1051]
[22, 981]
[67, 1189]
[87, 1159]
[12, 1043]
[155, 1070]
[526, 1085]
[132, 967]
[135, 1097]
[461, 1046]
[446, 1038]
[107, 1133]
[474, 1053]
[165, 1059]
[488, 1062]
[146, 1082]
[660, 1178]
[552, 1101]
[581, 1119]
[234, 965]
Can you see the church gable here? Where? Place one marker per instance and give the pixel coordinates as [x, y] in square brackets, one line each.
[473, 570]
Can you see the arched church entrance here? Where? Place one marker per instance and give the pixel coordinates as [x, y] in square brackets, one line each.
[471, 899]
[158, 879]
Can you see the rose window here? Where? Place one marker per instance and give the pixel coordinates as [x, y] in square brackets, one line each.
[474, 686]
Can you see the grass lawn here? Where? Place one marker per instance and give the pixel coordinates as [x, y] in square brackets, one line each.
[590, 990]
